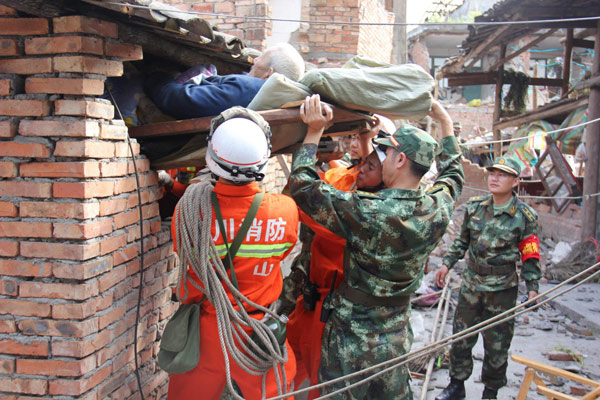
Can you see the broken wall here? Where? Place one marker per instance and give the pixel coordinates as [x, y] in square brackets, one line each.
[69, 251]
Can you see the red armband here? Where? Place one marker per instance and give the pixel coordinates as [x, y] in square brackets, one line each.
[530, 248]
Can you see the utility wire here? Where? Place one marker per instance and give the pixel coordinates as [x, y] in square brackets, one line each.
[322, 22]
[541, 197]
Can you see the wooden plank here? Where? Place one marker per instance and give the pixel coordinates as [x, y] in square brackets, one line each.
[498, 104]
[567, 63]
[540, 114]
[538, 366]
[553, 394]
[588, 83]
[273, 117]
[523, 49]
[584, 44]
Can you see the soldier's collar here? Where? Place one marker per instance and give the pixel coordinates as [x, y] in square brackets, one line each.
[511, 210]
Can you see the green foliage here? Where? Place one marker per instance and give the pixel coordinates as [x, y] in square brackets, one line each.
[576, 356]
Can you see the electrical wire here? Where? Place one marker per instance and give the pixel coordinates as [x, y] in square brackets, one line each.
[396, 362]
[321, 22]
[141, 241]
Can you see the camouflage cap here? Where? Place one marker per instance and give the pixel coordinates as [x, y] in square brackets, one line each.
[506, 164]
[418, 146]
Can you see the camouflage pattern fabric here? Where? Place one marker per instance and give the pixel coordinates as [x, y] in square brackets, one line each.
[389, 235]
[473, 307]
[295, 281]
[492, 238]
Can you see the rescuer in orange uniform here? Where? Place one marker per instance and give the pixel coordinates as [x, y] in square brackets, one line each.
[305, 328]
[237, 154]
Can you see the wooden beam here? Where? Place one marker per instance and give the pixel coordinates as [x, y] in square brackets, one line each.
[588, 83]
[540, 114]
[498, 103]
[585, 33]
[489, 78]
[591, 179]
[523, 49]
[567, 63]
[585, 44]
[475, 52]
[549, 369]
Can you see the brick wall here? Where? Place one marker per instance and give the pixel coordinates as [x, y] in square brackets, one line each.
[472, 117]
[375, 41]
[419, 53]
[69, 258]
[252, 32]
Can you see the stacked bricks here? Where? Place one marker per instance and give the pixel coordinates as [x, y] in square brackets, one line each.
[376, 41]
[253, 32]
[475, 181]
[69, 250]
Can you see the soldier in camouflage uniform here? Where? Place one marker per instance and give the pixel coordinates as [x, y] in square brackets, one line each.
[389, 235]
[498, 231]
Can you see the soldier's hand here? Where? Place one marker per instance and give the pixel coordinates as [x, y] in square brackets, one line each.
[315, 115]
[440, 276]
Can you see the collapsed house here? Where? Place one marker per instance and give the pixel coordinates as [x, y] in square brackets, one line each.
[564, 216]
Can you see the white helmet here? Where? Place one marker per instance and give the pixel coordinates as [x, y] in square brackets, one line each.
[238, 145]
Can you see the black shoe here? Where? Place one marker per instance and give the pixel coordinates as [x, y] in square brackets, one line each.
[489, 394]
[454, 391]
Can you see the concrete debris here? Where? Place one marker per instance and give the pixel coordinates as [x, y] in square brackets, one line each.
[560, 252]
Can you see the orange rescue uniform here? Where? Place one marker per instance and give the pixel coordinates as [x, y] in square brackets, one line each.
[305, 329]
[270, 238]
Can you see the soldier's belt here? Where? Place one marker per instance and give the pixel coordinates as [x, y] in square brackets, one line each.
[491, 269]
[359, 297]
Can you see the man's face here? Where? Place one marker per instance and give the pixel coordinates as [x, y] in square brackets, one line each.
[261, 68]
[388, 167]
[370, 172]
[500, 182]
[354, 147]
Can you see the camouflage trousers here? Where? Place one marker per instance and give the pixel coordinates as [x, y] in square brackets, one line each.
[352, 344]
[474, 307]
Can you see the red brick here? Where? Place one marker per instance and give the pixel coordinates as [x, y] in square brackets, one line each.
[5, 87]
[7, 209]
[30, 348]
[63, 251]
[24, 26]
[83, 190]
[107, 281]
[59, 210]
[113, 350]
[24, 308]
[26, 66]
[126, 218]
[80, 86]
[82, 270]
[110, 317]
[110, 169]
[4, 10]
[132, 200]
[25, 189]
[122, 150]
[25, 229]
[125, 254]
[33, 150]
[86, 230]
[24, 108]
[47, 327]
[88, 65]
[7, 130]
[24, 385]
[142, 164]
[9, 287]
[76, 387]
[113, 132]
[64, 291]
[126, 185]
[60, 169]
[63, 44]
[56, 367]
[75, 310]
[86, 149]
[8, 169]
[75, 348]
[112, 206]
[25, 268]
[7, 326]
[124, 51]
[9, 249]
[81, 24]
[77, 128]
[84, 108]
[113, 243]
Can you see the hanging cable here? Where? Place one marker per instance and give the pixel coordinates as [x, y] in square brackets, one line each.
[141, 241]
[321, 22]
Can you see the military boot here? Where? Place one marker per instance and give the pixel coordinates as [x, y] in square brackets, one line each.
[454, 391]
[489, 394]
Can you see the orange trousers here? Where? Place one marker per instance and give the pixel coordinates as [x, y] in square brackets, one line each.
[208, 379]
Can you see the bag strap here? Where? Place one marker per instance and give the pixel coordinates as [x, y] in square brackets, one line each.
[239, 237]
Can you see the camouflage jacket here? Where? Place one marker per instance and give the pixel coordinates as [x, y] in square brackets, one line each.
[389, 234]
[493, 238]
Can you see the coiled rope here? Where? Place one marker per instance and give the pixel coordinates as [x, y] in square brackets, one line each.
[197, 250]
[439, 345]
